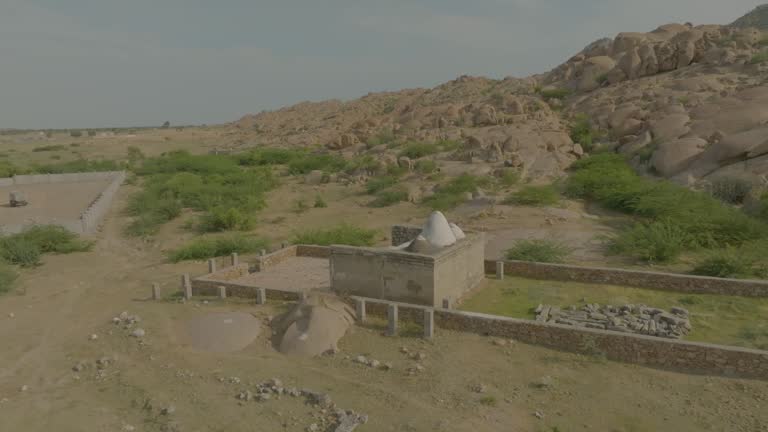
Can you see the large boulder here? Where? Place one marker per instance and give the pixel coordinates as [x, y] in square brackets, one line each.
[674, 156]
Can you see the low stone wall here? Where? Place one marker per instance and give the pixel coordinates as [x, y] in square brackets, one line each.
[271, 259]
[60, 178]
[691, 357]
[404, 233]
[93, 215]
[210, 288]
[633, 278]
[313, 251]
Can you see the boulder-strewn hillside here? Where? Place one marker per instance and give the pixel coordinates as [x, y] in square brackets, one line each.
[686, 102]
[758, 18]
[496, 121]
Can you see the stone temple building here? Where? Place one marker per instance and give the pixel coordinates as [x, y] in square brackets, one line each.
[433, 265]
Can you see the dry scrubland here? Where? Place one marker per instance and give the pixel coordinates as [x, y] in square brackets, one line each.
[646, 151]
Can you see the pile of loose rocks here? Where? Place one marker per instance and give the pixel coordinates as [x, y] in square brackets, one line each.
[628, 318]
[329, 417]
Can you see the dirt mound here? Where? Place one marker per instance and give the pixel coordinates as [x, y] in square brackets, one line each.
[313, 326]
[221, 332]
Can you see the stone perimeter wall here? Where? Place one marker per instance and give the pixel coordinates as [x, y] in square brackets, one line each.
[89, 220]
[690, 357]
[633, 278]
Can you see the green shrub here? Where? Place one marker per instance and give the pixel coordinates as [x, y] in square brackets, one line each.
[659, 242]
[582, 132]
[449, 145]
[75, 134]
[79, 165]
[759, 58]
[378, 184]
[453, 193]
[416, 150]
[19, 252]
[488, 401]
[320, 202]
[560, 93]
[343, 234]
[538, 250]
[204, 248]
[91, 133]
[509, 177]
[724, 264]
[388, 197]
[763, 42]
[26, 248]
[311, 162]
[270, 156]
[228, 193]
[7, 278]
[383, 137]
[607, 179]
[601, 79]
[731, 190]
[365, 163]
[135, 155]
[49, 148]
[75, 144]
[225, 219]
[540, 196]
[425, 167]
[300, 206]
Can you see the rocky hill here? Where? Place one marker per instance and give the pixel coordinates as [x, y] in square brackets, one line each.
[685, 102]
[758, 18]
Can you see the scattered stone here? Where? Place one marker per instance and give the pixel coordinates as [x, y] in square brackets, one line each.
[128, 428]
[93, 337]
[404, 350]
[544, 382]
[78, 367]
[479, 388]
[418, 356]
[262, 397]
[374, 364]
[627, 318]
[170, 409]
[387, 366]
[103, 362]
[349, 420]
[234, 380]
[11, 315]
[245, 396]
[319, 399]
[313, 428]
[361, 360]
[138, 333]
[24, 388]
[500, 342]
[539, 415]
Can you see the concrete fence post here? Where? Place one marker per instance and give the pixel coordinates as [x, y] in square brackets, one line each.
[429, 323]
[263, 252]
[500, 270]
[186, 285]
[212, 265]
[235, 259]
[392, 320]
[261, 296]
[155, 291]
[360, 310]
[222, 292]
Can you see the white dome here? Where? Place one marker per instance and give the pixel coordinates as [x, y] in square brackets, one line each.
[457, 232]
[437, 231]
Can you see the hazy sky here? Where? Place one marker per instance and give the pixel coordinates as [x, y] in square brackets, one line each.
[99, 63]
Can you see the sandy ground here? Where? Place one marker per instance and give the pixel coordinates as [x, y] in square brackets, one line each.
[60, 305]
[49, 202]
[294, 274]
